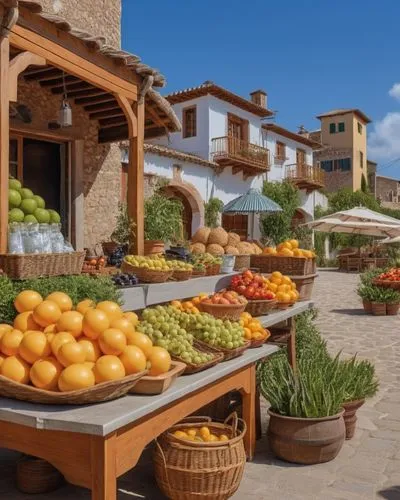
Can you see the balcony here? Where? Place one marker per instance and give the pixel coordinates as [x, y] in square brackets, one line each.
[241, 155]
[305, 176]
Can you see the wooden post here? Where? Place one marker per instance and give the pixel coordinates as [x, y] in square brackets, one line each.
[103, 468]
[4, 140]
[77, 197]
[135, 187]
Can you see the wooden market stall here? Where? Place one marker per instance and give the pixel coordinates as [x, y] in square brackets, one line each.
[111, 86]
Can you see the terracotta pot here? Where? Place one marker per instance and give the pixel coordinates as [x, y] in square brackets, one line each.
[306, 440]
[392, 309]
[367, 306]
[153, 247]
[378, 308]
[350, 417]
[109, 247]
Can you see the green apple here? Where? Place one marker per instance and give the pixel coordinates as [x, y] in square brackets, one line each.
[14, 198]
[16, 215]
[28, 206]
[42, 215]
[26, 193]
[40, 201]
[30, 218]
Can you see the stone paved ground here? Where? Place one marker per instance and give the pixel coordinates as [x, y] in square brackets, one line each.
[367, 467]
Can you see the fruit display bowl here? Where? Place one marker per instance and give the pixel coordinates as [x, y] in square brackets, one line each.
[181, 274]
[227, 353]
[159, 383]
[146, 275]
[201, 346]
[105, 391]
[259, 342]
[260, 307]
[223, 311]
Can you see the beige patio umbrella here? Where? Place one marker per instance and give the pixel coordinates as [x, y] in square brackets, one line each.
[334, 225]
[362, 214]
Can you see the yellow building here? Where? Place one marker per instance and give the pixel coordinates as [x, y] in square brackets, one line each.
[343, 153]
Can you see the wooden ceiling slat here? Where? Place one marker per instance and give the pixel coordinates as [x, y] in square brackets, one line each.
[72, 87]
[90, 92]
[111, 113]
[116, 133]
[111, 104]
[44, 74]
[59, 81]
[94, 99]
[112, 122]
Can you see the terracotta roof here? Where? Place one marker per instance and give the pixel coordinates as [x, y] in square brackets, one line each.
[273, 127]
[338, 112]
[223, 94]
[180, 155]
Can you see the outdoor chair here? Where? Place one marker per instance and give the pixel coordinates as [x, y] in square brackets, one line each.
[353, 264]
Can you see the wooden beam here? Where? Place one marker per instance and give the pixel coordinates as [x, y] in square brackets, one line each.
[42, 74]
[102, 106]
[110, 113]
[59, 89]
[236, 170]
[135, 184]
[113, 134]
[69, 61]
[86, 93]
[113, 122]
[131, 117]
[4, 140]
[17, 66]
[94, 99]
[58, 81]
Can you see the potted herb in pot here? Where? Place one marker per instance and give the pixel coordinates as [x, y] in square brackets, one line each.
[366, 293]
[306, 417]
[162, 222]
[392, 302]
[381, 298]
[124, 232]
[359, 382]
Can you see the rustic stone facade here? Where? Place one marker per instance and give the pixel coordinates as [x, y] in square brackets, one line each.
[102, 163]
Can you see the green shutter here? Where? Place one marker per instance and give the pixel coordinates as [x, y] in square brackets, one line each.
[341, 127]
[332, 128]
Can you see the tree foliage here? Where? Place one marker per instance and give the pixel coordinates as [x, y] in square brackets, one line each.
[212, 208]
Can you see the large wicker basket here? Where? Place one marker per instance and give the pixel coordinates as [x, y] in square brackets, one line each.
[387, 283]
[36, 265]
[304, 285]
[182, 275]
[242, 262]
[260, 307]
[146, 275]
[213, 269]
[286, 265]
[222, 311]
[35, 475]
[227, 353]
[194, 470]
[201, 346]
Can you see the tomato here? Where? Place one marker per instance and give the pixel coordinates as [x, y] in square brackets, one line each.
[250, 292]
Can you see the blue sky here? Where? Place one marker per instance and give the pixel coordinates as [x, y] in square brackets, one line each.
[309, 55]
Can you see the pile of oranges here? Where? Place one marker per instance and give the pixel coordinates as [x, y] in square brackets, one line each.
[253, 329]
[289, 248]
[203, 435]
[57, 347]
[283, 287]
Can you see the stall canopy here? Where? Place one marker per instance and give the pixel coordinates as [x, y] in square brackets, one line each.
[113, 86]
[335, 225]
[362, 214]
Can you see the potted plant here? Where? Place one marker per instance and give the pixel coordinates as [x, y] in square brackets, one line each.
[306, 423]
[359, 382]
[381, 298]
[392, 302]
[162, 222]
[124, 232]
[366, 293]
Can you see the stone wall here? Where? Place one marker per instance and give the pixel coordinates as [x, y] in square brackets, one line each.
[387, 189]
[337, 180]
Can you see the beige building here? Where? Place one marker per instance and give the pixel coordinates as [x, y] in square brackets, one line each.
[385, 189]
[343, 153]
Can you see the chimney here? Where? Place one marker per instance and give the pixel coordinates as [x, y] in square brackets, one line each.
[303, 131]
[259, 97]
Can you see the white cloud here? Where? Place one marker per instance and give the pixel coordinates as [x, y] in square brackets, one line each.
[395, 91]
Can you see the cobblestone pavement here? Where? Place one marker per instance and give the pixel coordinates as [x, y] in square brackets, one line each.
[367, 467]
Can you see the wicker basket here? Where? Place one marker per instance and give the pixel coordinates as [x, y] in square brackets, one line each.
[227, 353]
[242, 262]
[198, 274]
[213, 270]
[286, 265]
[182, 275]
[36, 265]
[284, 305]
[104, 391]
[304, 285]
[258, 343]
[222, 311]
[200, 346]
[387, 284]
[194, 470]
[146, 275]
[260, 307]
[159, 383]
[35, 475]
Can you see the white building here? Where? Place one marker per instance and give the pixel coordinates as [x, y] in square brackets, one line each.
[226, 147]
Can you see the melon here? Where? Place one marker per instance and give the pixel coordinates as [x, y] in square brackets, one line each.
[244, 248]
[42, 215]
[219, 236]
[230, 250]
[198, 248]
[30, 219]
[54, 217]
[201, 235]
[215, 249]
[233, 239]
[26, 193]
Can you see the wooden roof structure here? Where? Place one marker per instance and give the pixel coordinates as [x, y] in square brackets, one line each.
[113, 86]
[302, 139]
[210, 88]
[338, 112]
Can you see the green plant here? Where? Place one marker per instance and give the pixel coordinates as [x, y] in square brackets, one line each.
[125, 227]
[364, 185]
[324, 262]
[358, 379]
[77, 287]
[378, 294]
[311, 392]
[212, 208]
[163, 218]
[367, 277]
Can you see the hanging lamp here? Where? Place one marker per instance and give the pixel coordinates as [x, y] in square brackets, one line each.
[65, 113]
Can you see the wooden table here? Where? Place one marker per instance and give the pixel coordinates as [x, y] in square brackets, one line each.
[93, 445]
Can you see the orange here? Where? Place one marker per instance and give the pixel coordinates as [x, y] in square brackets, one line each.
[297, 252]
[283, 288]
[71, 353]
[112, 341]
[286, 252]
[293, 295]
[286, 280]
[92, 349]
[5, 328]
[84, 305]
[2, 358]
[24, 321]
[70, 321]
[15, 368]
[293, 285]
[133, 359]
[294, 244]
[90, 364]
[63, 300]
[95, 321]
[176, 303]
[247, 333]
[50, 337]
[51, 328]
[276, 281]
[283, 297]
[132, 317]
[60, 339]
[140, 340]
[46, 313]
[108, 368]
[277, 274]
[255, 326]
[308, 254]
[122, 324]
[273, 287]
[112, 309]
[160, 361]
[45, 372]
[10, 342]
[34, 346]
[27, 301]
[75, 377]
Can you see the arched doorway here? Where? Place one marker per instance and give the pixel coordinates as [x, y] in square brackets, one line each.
[187, 214]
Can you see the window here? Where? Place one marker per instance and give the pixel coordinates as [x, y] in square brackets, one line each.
[344, 164]
[327, 165]
[332, 128]
[189, 120]
[361, 159]
[341, 127]
[359, 126]
[280, 151]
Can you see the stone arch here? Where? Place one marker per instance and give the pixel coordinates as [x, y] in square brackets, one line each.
[194, 199]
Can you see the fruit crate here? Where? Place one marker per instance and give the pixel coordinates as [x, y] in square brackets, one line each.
[299, 266]
[37, 265]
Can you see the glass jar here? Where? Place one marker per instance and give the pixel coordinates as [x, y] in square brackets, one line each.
[33, 241]
[15, 238]
[57, 239]
[44, 230]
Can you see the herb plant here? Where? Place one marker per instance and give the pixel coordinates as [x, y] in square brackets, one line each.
[163, 218]
[358, 379]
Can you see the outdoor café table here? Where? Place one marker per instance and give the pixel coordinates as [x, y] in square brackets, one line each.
[93, 445]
